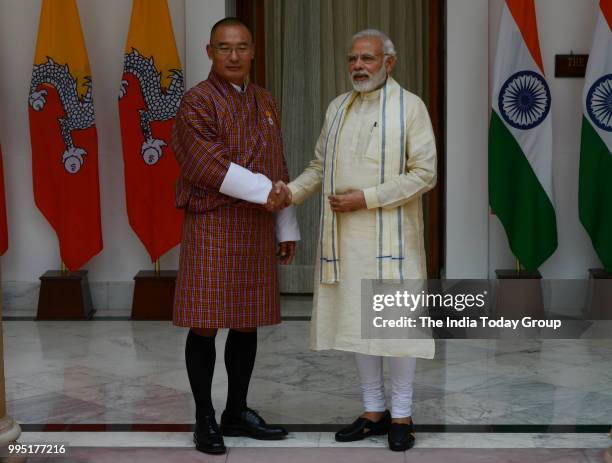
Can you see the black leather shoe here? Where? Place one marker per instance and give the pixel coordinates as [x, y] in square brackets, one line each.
[207, 437]
[400, 436]
[357, 429]
[249, 424]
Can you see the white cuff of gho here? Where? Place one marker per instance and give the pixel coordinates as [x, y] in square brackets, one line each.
[287, 228]
[243, 184]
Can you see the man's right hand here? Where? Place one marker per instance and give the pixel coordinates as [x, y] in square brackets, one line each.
[279, 197]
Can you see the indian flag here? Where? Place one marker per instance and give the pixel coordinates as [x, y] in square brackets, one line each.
[520, 139]
[595, 197]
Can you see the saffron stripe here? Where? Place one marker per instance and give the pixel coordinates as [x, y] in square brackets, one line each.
[524, 14]
[606, 10]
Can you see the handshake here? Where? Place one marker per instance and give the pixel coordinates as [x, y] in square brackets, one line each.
[279, 197]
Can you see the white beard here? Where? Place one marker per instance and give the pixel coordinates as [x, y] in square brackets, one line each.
[375, 81]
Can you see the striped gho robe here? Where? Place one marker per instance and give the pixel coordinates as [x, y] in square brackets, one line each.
[228, 267]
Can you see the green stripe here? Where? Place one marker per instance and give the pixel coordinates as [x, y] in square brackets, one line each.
[595, 193]
[518, 199]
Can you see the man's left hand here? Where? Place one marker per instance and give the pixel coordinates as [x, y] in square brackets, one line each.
[286, 252]
[348, 202]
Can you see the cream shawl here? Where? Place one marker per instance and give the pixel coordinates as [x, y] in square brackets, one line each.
[392, 155]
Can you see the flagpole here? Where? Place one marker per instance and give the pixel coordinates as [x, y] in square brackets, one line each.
[157, 268]
[518, 266]
[64, 268]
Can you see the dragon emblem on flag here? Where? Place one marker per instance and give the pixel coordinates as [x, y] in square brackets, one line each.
[161, 104]
[79, 110]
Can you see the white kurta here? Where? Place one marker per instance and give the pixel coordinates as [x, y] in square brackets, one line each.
[336, 317]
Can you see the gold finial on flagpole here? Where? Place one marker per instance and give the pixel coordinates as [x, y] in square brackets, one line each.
[157, 268]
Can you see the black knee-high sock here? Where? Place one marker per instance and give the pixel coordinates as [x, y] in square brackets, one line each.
[200, 357]
[240, 351]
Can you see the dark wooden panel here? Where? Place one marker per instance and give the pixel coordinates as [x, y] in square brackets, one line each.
[519, 294]
[64, 296]
[153, 295]
[251, 12]
[435, 198]
[600, 295]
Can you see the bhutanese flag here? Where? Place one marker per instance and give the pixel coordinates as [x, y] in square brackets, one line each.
[520, 139]
[150, 94]
[595, 197]
[3, 226]
[63, 134]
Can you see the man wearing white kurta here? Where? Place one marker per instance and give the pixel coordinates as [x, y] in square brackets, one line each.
[375, 157]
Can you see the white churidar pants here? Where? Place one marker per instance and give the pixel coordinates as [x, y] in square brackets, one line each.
[372, 385]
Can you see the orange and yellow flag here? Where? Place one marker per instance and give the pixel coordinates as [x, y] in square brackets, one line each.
[150, 94]
[63, 134]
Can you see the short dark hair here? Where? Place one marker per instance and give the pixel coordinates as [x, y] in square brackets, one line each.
[230, 21]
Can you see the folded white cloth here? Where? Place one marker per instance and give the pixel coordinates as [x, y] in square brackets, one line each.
[287, 228]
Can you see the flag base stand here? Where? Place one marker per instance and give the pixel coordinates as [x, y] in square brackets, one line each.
[519, 294]
[64, 296]
[599, 306]
[153, 295]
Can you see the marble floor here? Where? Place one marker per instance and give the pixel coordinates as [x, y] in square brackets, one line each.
[280, 455]
[275, 455]
[425, 440]
[120, 372]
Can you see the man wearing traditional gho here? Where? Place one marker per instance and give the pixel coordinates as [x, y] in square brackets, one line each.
[227, 140]
[375, 158]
